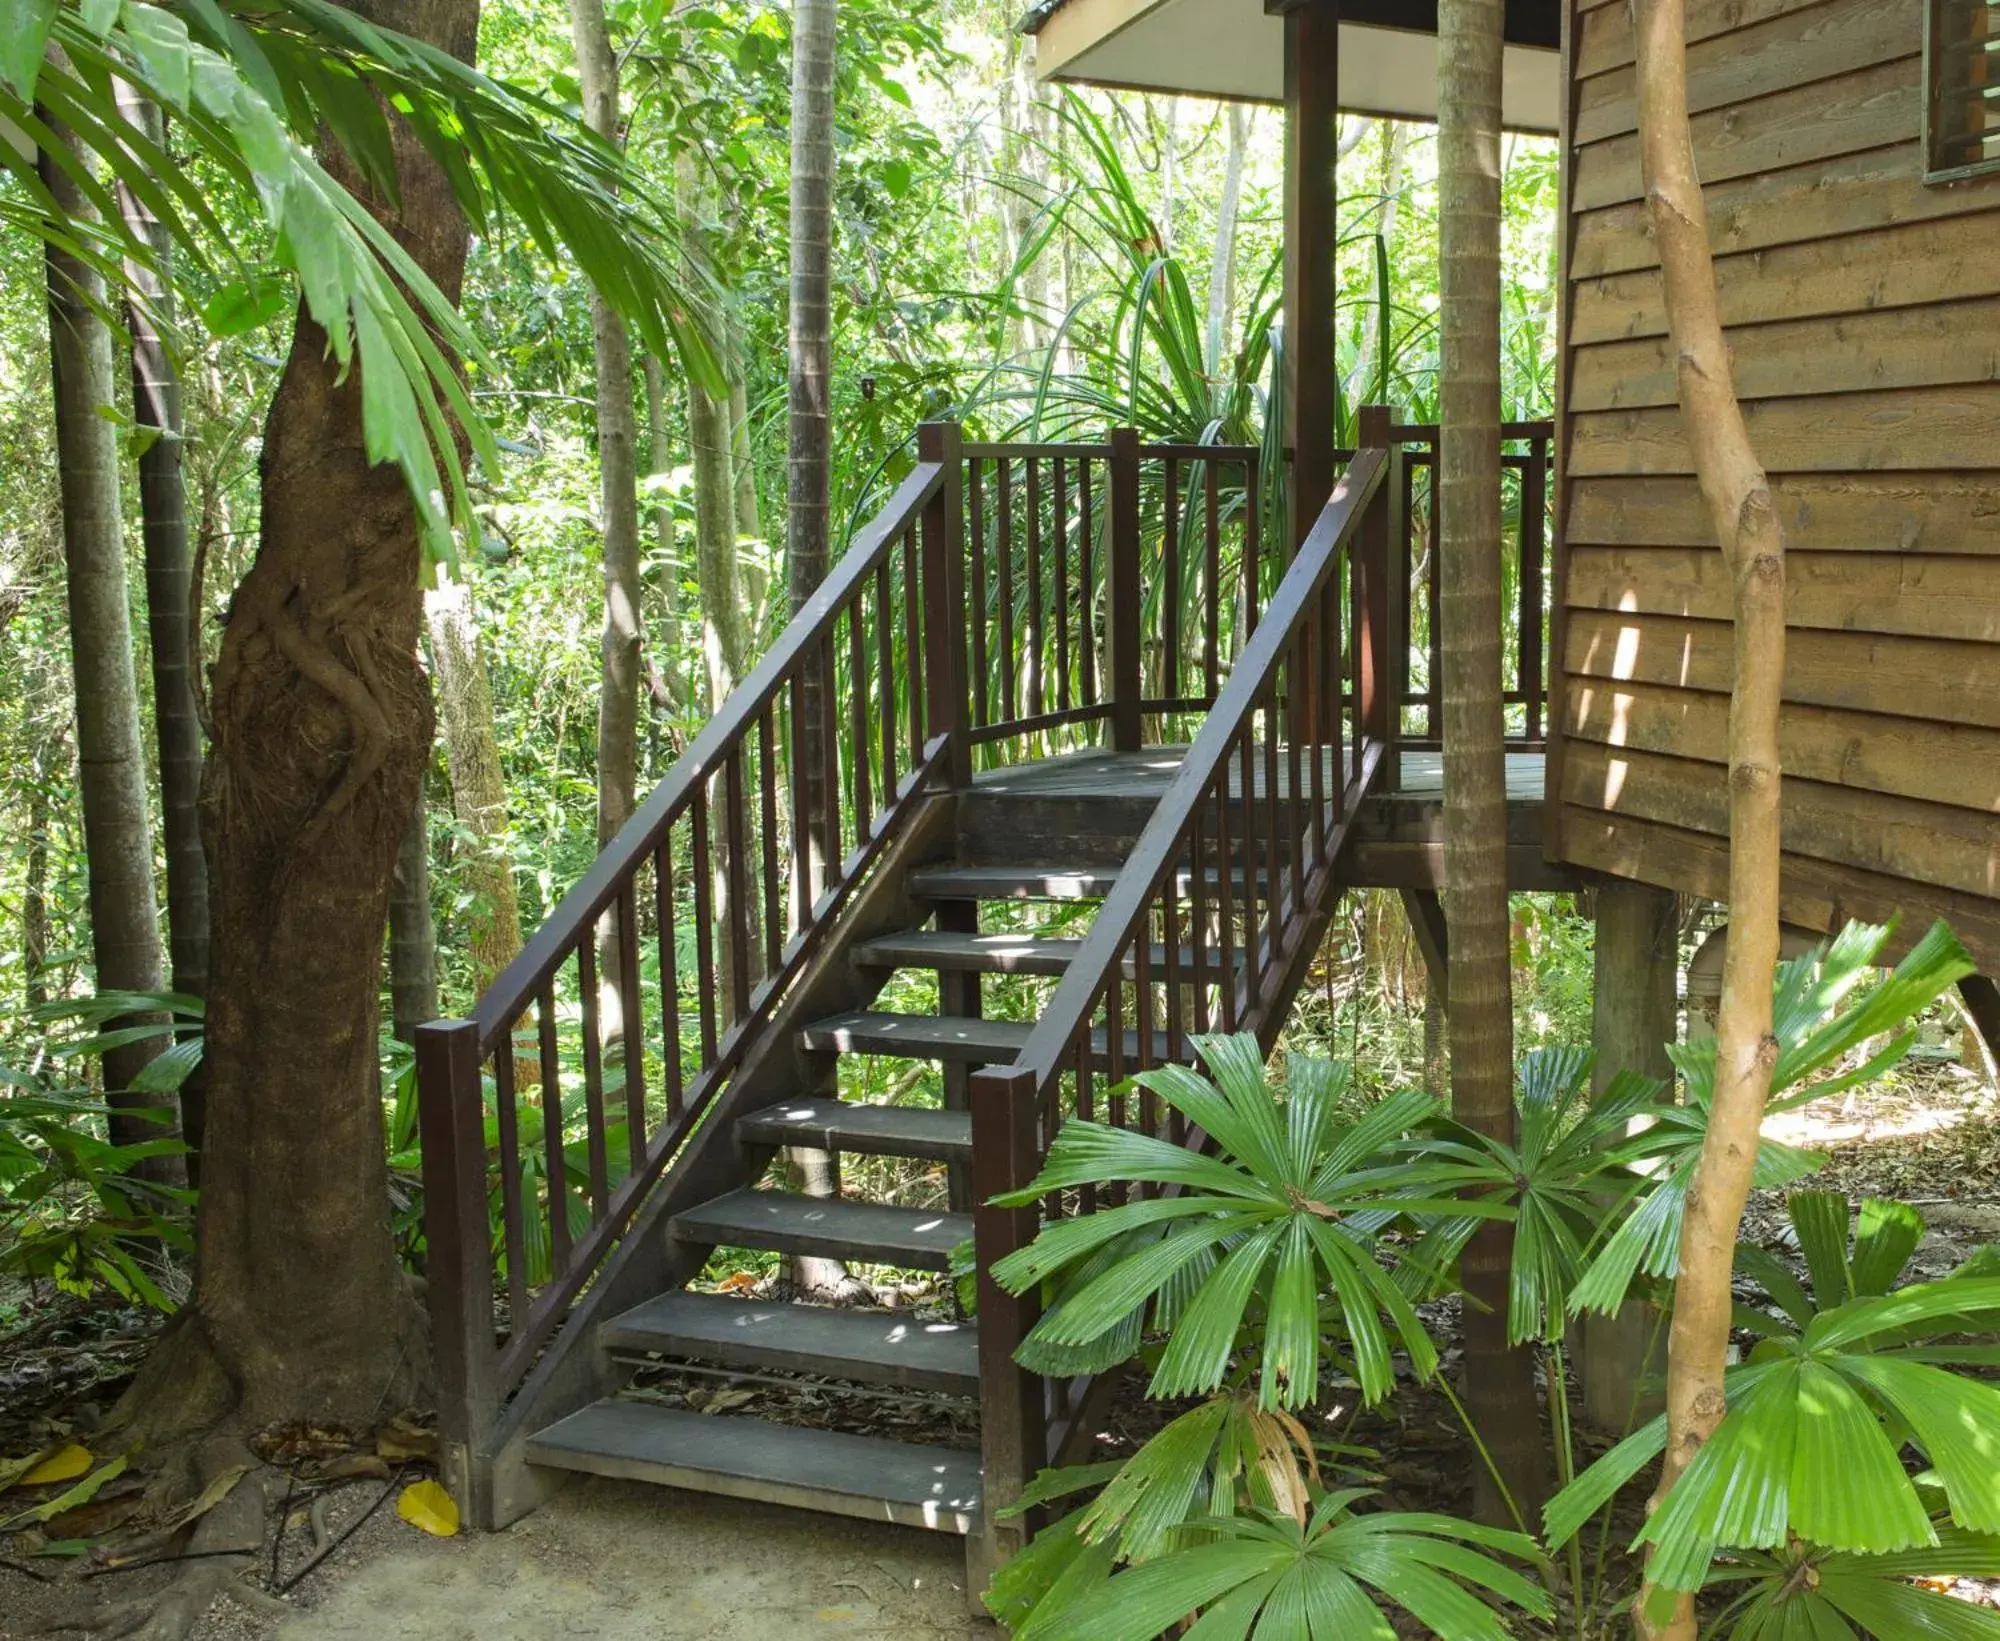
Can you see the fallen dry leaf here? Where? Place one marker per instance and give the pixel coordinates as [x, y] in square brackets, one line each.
[64, 1463]
[82, 1493]
[402, 1440]
[426, 1505]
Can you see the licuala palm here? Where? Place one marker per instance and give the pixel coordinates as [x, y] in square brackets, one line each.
[1809, 1459]
[1288, 1206]
[1264, 1257]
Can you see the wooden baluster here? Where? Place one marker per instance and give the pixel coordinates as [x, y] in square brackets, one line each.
[913, 648]
[803, 890]
[1086, 582]
[1308, 682]
[736, 870]
[1435, 720]
[1060, 521]
[1035, 613]
[1328, 666]
[1170, 585]
[885, 678]
[1173, 972]
[632, 1027]
[1211, 642]
[829, 780]
[1534, 504]
[1225, 899]
[670, 982]
[1123, 594]
[1115, 1069]
[1142, 1021]
[593, 1077]
[513, 1231]
[704, 925]
[981, 689]
[767, 797]
[1381, 628]
[1010, 663]
[1253, 952]
[1274, 826]
[1296, 670]
[555, 1166]
[1253, 530]
[1201, 953]
[857, 722]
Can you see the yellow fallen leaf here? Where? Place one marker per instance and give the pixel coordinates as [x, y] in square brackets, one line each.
[64, 1464]
[426, 1505]
[82, 1493]
[211, 1495]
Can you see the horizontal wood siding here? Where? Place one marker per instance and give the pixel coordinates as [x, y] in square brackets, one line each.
[1864, 321]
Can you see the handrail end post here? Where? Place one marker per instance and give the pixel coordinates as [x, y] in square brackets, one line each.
[1013, 1401]
[1126, 595]
[947, 634]
[458, 1271]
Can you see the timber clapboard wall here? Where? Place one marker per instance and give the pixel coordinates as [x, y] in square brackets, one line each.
[1863, 307]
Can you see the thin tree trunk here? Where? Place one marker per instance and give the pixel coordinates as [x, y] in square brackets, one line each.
[1499, 1379]
[1746, 524]
[322, 727]
[617, 456]
[1222, 266]
[413, 996]
[35, 884]
[156, 406]
[118, 839]
[478, 786]
[671, 672]
[741, 458]
[1374, 322]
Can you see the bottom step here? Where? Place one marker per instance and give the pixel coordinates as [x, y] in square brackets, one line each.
[934, 1487]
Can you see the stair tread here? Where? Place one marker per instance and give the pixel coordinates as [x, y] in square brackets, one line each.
[919, 1036]
[826, 1470]
[877, 1347]
[782, 1222]
[995, 953]
[1037, 882]
[882, 1130]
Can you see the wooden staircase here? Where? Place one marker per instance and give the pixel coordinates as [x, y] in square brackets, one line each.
[1022, 797]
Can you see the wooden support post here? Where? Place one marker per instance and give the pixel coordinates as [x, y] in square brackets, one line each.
[1982, 1004]
[1621, 1359]
[457, 1267]
[943, 537]
[1425, 910]
[1312, 149]
[1013, 1403]
[1126, 595]
[1534, 547]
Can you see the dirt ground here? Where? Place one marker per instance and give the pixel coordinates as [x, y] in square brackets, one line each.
[614, 1561]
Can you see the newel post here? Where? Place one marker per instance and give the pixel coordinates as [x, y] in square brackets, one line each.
[1013, 1409]
[1126, 596]
[1382, 648]
[946, 710]
[458, 1269]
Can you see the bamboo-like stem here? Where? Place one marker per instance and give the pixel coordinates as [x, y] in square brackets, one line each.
[1746, 524]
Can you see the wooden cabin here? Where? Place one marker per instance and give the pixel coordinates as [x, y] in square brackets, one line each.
[1082, 715]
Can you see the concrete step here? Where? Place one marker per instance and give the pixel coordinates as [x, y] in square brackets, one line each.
[872, 1347]
[872, 1232]
[821, 1470]
[881, 1130]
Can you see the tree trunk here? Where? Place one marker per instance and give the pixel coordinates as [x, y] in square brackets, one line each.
[809, 466]
[35, 883]
[617, 456]
[673, 681]
[1222, 266]
[1499, 1379]
[478, 787]
[322, 726]
[413, 996]
[156, 406]
[1746, 524]
[118, 838]
[1373, 385]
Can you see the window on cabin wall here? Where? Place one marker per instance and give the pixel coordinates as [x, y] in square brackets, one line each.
[1962, 73]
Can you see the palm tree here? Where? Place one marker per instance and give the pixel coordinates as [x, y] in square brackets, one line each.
[1500, 1384]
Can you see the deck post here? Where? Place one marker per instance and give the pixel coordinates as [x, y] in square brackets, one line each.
[1383, 622]
[1125, 594]
[1621, 1358]
[945, 618]
[1013, 1406]
[1312, 151]
[458, 1274]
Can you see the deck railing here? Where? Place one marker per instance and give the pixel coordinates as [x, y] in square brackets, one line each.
[1008, 601]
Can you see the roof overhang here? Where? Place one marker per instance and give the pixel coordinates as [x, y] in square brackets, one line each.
[1235, 49]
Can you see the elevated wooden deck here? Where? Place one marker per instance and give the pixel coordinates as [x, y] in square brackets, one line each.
[1097, 801]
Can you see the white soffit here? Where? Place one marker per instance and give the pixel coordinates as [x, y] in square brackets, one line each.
[1234, 49]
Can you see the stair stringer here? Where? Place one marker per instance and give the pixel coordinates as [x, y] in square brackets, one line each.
[575, 1370]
